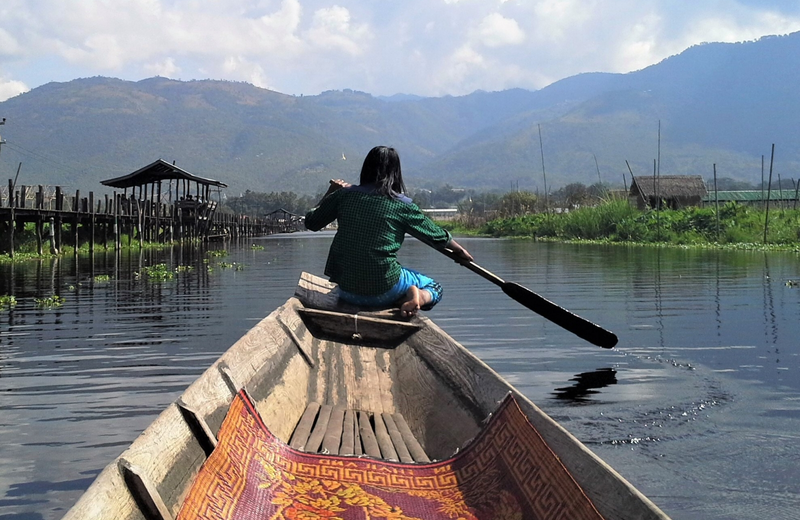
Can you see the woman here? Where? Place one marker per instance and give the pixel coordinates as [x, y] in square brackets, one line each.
[373, 218]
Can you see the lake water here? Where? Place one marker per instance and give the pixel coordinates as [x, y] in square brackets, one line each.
[698, 406]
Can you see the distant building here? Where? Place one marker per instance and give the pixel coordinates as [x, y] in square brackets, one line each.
[441, 214]
[667, 191]
[753, 197]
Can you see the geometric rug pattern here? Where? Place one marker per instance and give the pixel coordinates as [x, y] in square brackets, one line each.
[506, 473]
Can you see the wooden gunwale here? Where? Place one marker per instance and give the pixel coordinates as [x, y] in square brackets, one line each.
[429, 380]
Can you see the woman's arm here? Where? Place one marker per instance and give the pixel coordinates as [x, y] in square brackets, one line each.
[325, 211]
[460, 251]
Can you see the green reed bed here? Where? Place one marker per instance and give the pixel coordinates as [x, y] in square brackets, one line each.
[736, 226]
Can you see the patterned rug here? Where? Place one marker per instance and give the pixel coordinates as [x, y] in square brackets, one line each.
[506, 473]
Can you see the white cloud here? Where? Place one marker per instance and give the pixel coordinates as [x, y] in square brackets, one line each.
[332, 29]
[165, 68]
[558, 18]
[98, 51]
[11, 88]
[8, 44]
[241, 67]
[498, 31]
[415, 46]
[730, 28]
[460, 69]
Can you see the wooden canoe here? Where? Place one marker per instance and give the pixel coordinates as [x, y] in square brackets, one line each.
[314, 362]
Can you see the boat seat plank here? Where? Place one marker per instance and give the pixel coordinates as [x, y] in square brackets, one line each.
[303, 429]
[348, 434]
[368, 436]
[384, 441]
[357, 329]
[396, 438]
[333, 434]
[411, 442]
[318, 433]
[331, 430]
[357, 449]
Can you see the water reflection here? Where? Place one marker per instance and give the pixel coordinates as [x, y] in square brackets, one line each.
[707, 362]
[586, 385]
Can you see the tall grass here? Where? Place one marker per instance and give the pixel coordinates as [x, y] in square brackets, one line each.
[617, 221]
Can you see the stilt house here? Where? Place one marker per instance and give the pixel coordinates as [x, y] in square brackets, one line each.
[667, 191]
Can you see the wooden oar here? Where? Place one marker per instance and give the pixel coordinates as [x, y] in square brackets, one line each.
[581, 327]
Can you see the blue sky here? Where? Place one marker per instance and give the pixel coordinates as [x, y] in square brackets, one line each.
[424, 47]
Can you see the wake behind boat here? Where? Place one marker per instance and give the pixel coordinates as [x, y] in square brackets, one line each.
[323, 411]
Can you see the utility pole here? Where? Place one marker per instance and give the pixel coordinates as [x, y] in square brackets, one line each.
[2, 122]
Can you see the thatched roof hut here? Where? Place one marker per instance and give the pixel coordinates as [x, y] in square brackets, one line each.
[159, 171]
[667, 191]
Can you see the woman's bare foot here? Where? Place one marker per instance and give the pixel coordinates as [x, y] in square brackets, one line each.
[414, 300]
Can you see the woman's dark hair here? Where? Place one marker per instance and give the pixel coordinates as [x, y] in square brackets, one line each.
[382, 168]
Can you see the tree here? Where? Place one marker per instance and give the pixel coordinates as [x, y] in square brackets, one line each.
[516, 203]
[575, 195]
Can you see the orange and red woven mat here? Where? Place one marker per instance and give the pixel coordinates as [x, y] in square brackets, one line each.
[507, 472]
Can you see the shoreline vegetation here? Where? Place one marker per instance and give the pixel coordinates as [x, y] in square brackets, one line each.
[615, 221]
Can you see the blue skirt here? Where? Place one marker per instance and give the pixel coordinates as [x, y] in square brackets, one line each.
[408, 277]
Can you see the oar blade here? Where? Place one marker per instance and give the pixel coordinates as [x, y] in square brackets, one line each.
[581, 327]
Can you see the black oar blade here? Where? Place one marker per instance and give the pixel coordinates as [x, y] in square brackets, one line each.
[560, 316]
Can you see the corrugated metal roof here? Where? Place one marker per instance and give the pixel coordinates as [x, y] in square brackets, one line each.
[750, 195]
[158, 171]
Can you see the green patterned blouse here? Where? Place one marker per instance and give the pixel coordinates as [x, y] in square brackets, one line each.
[363, 255]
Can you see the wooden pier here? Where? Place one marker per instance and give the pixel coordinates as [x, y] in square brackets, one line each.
[78, 220]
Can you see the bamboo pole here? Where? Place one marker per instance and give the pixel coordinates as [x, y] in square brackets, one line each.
[716, 199]
[656, 202]
[763, 202]
[769, 189]
[544, 174]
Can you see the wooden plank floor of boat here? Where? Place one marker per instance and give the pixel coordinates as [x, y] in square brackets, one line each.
[330, 430]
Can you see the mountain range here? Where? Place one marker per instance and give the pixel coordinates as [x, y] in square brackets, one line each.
[713, 104]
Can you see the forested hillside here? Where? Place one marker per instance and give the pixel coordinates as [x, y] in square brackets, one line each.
[716, 103]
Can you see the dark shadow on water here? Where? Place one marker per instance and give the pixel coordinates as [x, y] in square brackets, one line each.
[28, 489]
[586, 385]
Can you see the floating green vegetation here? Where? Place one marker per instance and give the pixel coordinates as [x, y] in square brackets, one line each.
[156, 273]
[7, 301]
[22, 257]
[50, 301]
[102, 278]
[255, 247]
[184, 268]
[218, 253]
[230, 265]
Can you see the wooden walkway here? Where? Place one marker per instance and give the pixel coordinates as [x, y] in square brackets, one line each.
[85, 220]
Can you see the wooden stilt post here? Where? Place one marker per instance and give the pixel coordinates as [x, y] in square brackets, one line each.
[39, 206]
[39, 224]
[158, 211]
[117, 238]
[92, 218]
[11, 220]
[53, 245]
[77, 218]
[107, 222]
[59, 209]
